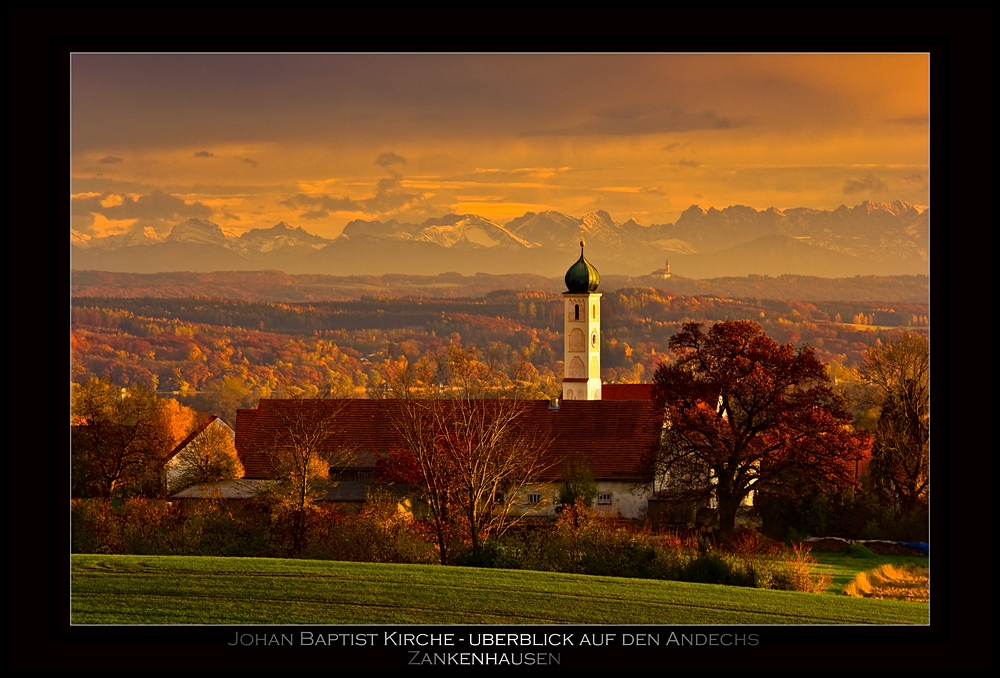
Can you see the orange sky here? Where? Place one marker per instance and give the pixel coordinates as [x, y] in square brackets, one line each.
[318, 140]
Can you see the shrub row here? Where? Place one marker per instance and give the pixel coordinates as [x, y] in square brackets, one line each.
[583, 543]
[579, 542]
[377, 533]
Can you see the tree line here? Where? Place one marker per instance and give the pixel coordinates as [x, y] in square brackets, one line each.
[220, 367]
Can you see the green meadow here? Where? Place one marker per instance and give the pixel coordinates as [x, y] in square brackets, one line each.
[204, 590]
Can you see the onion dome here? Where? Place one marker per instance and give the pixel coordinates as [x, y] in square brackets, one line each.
[582, 277]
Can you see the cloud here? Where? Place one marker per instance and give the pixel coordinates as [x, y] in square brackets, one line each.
[155, 209]
[204, 154]
[689, 163]
[388, 159]
[869, 183]
[111, 160]
[675, 146]
[518, 172]
[629, 121]
[917, 179]
[249, 161]
[389, 197]
[230, 216]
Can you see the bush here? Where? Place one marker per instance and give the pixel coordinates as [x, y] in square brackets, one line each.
[381, 533]
[215, 527]
[746, 541]
[578, 485]
[797, 572]
[94, 528]
[580, 542]
[708, 568]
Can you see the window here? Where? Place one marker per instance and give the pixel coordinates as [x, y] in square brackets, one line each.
[535, 498]
[604, 498]
[576, 313]
[594, 311]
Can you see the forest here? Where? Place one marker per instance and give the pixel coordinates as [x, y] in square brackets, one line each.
[217, 355]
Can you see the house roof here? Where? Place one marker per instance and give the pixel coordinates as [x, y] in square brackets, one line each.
[198, 430]
[611, 438]
[627, 392]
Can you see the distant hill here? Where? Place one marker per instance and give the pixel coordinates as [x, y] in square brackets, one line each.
[276, 286]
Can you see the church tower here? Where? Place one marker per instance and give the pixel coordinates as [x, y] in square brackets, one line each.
[582, 332]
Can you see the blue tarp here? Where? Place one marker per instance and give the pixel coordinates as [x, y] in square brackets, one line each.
[922, 545]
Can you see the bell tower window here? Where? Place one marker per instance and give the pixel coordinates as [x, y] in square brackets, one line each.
[576, 312]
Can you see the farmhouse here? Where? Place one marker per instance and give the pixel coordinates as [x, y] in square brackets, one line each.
[174, 466]
[610, 438]
[607, 430]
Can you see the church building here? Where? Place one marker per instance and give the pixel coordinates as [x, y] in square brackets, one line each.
[607, 429]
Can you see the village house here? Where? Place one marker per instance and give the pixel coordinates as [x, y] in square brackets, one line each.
[610, 438]
[174, 466]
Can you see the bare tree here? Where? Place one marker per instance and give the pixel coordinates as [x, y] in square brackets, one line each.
[422, 462]
[306, 443]
[468, 444]
[899, 372]
[493, 456]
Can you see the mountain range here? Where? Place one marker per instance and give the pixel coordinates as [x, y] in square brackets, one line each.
[873, 238]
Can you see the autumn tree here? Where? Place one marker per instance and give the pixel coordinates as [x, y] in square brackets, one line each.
[898, 372]
[304, 439]
[121, 437]
[745, 414]
[210, 457]
[306, 442]
[468, 445]
[225, 396]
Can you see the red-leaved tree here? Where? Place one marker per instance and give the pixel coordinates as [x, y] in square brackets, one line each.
[743, 413]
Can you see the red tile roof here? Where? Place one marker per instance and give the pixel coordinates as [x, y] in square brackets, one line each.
[627, 392]
[611, 438]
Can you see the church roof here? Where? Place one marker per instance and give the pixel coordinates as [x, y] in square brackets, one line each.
[582, 277]
[611, 438]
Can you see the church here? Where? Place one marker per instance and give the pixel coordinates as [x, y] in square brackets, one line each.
[609, 430]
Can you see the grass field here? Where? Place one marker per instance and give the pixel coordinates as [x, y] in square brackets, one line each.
[196, 590]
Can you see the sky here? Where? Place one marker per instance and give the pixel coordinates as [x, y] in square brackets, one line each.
[318, 140]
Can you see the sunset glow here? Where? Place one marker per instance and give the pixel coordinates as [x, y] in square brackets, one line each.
[247, 141]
